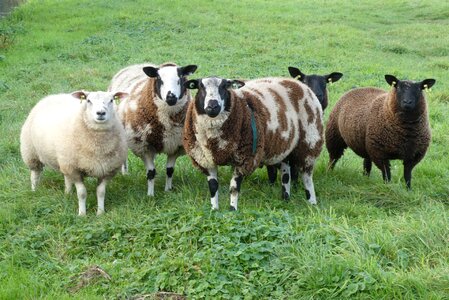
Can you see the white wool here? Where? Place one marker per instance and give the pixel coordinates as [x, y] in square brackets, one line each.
[64, 133]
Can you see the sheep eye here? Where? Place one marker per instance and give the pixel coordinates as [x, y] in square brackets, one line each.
[88, 101]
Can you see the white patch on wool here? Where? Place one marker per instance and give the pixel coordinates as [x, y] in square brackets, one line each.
[212, 92]
[310, 161]
[263, 89]
[208, 128]
[170, 81]
[312, 135]
[126, 79]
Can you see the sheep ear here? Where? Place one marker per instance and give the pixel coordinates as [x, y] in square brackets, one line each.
[80, 95]
[120, 95]
[151, 71]
[333, 77]
[188, 70]
[296, 73]
[192, 84]
[234, 84]
[427, 83]
[391, 80]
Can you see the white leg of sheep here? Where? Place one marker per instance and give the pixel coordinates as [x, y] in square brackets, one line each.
[101, 192]
[308, 186]
[68, 185]
[151, 172]
[234, 188]
[35, 177]
[82, 195]
[212, 180]
[285, 176]
[171, 160]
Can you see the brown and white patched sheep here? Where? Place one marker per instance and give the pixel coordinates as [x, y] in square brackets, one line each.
[154, 113]
[246, 125]
[380, 126]
[318, 85]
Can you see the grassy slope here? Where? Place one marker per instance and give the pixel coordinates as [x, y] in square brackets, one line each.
[364, 238]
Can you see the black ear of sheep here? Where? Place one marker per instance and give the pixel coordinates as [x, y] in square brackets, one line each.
[151, 71]
[427, 83]
[296, 73]
[192, 84]
[188, 70]
[391, 80]
[333, 77]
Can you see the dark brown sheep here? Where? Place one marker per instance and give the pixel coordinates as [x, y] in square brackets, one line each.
[380, 126]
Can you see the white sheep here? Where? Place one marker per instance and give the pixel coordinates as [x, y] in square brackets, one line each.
[79, 135]
[154, 113]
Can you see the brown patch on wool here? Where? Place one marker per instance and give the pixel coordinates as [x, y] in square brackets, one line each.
[282, 109]
[309, 111]
[178, 119]
[296, 93]
[146, 115]
[167, 64]
[303, 151]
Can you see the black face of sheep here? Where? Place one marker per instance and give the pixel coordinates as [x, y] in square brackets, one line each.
[317, 83]
[213, 95]
[409, 93]
[170, 81]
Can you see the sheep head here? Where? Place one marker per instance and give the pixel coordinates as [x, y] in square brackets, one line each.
[213, 95]
[169, 85]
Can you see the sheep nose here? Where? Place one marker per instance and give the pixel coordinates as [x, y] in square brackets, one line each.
[171, 98]
[212, 104]
[101, 113]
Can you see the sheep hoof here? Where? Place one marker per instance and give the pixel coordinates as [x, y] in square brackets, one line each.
[285, 196]
[232, 208]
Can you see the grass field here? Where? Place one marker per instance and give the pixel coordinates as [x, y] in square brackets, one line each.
[364, 240]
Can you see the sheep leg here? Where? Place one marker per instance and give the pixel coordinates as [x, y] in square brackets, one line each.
[367, 164]
[234, 188]
[385, 168]
[272, 174]
[82, 195]
[151, 171]
[285, 171]
[212, 177]
[408, 167]
[294, 172]
[68, 184]
[307, 179]
[35, 177]
[101, 191]
[125, 167]
[171, 160]
[335, 146]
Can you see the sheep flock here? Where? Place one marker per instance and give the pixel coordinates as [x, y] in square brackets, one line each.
[272, 122]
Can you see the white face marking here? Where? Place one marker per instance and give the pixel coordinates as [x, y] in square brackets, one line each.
[170, 82]
[211, 87]
[100, 106]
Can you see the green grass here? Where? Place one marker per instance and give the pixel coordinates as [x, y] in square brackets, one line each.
[365, 239]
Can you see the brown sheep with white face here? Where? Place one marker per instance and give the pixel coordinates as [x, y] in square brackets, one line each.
[380, 126]
[154, 113]
[246, 125]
